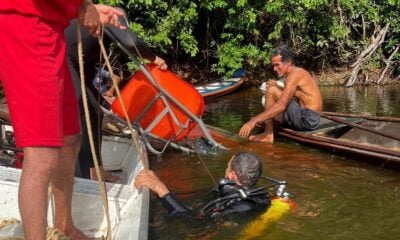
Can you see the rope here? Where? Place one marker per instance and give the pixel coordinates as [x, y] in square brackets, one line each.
[9, 221]
[204, 164]
[55, 234]
[52, 233]
[90, 135]
[134, 135]
[89, 127]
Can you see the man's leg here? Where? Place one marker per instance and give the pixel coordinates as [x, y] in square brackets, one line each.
[63, 181]
[39, 165]
[271, 96]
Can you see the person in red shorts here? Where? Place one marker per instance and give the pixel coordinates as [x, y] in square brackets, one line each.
[42, 102]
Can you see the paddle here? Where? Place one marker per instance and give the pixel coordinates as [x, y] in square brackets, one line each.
[339, 120]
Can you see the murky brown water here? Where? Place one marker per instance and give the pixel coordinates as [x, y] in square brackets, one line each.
[337, 197]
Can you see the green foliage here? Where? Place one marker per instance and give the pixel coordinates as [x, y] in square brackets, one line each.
[224, 35]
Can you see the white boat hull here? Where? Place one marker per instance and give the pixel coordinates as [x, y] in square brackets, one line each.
[128, 207]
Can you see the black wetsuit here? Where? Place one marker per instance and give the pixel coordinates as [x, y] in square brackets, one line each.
[229, 200]
[91, 57]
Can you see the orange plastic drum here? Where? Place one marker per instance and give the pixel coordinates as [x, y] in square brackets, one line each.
[139, 93]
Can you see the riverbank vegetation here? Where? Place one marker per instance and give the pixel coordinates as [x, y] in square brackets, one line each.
[356, 41]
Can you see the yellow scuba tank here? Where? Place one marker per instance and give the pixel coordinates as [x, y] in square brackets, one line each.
[279, 207]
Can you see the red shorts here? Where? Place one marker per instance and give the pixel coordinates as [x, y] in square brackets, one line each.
[37, 82]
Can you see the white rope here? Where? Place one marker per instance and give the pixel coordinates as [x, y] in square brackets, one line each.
[90, 135]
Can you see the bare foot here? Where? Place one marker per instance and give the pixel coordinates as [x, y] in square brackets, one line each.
[77, 235]
[263, 137]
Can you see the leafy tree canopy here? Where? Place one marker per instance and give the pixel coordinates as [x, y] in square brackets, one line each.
[223, 35]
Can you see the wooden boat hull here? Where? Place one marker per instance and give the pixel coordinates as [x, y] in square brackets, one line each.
[129, 208]
[340, 137]
[218, 88]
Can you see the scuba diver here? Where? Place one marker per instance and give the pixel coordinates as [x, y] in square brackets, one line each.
[236, 193]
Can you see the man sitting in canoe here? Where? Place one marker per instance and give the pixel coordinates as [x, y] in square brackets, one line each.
[236, 193]
[296, 106]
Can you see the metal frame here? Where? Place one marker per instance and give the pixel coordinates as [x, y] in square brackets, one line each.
[165, 96]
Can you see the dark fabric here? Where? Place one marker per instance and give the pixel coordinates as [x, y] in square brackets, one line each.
[298, 118]
[85, 158]
[130, 41]
[239, 200]
[91, 56]
[173, 207]
[226, 203]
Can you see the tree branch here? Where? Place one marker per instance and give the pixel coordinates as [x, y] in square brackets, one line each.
[367, 53]
[388, 63]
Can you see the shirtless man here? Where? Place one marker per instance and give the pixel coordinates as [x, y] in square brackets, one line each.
[295, 106]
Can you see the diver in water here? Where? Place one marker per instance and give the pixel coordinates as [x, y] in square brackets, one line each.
[236, 193]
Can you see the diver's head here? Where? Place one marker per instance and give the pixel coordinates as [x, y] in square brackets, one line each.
[244, 168]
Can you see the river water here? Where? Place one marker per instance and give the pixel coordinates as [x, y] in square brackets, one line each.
[337, 197]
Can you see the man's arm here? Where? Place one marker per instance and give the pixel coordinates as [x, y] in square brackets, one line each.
[171, 204]
[277, 108]
[149, 179]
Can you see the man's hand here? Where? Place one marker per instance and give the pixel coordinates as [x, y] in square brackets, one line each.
[271, 82]
[93, 17]
[149, 179]
[109, 16]
[246, 128]
[276, 83]
[160, 63]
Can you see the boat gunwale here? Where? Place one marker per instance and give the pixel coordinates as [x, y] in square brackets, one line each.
[380, 152]
[367, 117]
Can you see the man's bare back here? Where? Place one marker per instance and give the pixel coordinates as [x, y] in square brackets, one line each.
[307, 91]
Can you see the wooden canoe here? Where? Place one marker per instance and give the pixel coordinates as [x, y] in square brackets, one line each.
[222, 86]
[367, 137]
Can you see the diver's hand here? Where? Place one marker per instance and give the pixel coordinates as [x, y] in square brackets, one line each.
[246, 128]
[149, 179]
[160, 63]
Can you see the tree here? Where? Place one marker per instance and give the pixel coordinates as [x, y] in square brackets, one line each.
[223, 35]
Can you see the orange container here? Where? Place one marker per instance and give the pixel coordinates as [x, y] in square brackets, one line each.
[139, 93]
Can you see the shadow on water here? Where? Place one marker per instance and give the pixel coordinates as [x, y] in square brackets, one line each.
[337, 197]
